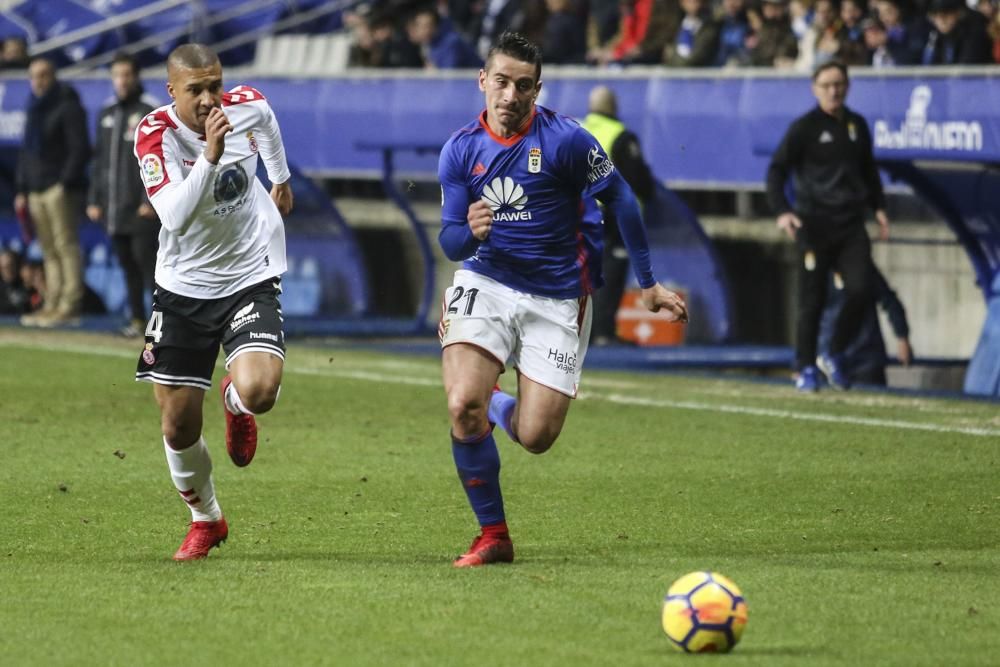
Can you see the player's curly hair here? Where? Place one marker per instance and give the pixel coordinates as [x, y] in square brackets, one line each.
[519, 47]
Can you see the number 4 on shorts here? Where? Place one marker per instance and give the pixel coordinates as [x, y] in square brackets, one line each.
[154, 329]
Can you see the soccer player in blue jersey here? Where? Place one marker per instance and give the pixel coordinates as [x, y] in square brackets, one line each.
[518, 187]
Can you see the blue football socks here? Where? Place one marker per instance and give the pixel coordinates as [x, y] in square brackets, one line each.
[501, 411]
[478, 465]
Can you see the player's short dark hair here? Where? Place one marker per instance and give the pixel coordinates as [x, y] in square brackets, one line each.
[519, 47]
[831, 64]
[192, 56]
[122, 58]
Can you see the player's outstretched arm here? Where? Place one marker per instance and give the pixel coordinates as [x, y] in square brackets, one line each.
[281, 195]
[658, 297]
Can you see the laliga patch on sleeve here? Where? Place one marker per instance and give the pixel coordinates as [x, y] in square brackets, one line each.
[152, 170]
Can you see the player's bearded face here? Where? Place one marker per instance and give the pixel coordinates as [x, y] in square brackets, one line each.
[195, 93]
[511, 89]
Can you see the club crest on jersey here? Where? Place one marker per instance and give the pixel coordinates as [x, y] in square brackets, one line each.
[152, 170]
[505, 193]
[852, 131]
[147, 355]
[253, 141]
[534, 160]
[600, 165]
[231, 184]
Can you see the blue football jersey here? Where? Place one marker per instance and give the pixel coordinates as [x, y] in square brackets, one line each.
[547, 235]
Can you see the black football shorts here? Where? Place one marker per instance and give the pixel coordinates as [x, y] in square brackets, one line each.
[184, 334]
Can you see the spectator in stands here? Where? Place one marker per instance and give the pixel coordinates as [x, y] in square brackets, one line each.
[733, 32]
[33, 279]
[988, 8]
[829, 152]
[903, 40]
[622, 146]
[440, 46]
[51, 183]
[602, 22]
[865, 357]
[853, 50]
[365, 49]
[958, 35]
[117, 196]
[822, 42]
[696, 42]
[773, 44]
[877, 43]
[14, 53]
[388, 46]
[994, 32]
[645, 27]
[497, 16]
[565, 37]
[15, 298]
[465, 15]
[800, 12]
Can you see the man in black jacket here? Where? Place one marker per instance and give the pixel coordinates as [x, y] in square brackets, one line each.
[117, 195]
[958, 35]
[829, 153]
[51, 181]
[864, 359]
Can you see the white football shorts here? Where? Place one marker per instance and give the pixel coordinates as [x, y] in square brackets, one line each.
[545, 339]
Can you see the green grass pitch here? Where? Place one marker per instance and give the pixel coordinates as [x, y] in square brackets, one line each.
[862, 528]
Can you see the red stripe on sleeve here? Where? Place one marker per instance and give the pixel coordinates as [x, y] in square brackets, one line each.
[149, 149]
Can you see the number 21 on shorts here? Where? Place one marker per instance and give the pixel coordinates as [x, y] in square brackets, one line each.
[454, 304]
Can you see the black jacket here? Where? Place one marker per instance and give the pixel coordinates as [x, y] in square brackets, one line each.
[56, 144]
[628, 159]
[833, 166]
[968, 44]
[115, 182]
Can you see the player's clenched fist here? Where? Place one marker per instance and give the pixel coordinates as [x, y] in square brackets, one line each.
[480, 219]
[659, 297]
[216, 128]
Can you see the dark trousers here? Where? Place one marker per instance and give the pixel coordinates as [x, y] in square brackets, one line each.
[824, 248]
[607, 299]
[137, 257]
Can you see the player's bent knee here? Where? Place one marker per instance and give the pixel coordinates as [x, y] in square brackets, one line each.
[538, 442]
[259, 397]
[180, 434]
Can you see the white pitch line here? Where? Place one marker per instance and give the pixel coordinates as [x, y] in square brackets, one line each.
[369, 376]
[802, 416]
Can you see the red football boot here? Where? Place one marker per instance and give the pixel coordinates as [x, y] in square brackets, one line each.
[201, 537]
[488, 547]
[241, 432]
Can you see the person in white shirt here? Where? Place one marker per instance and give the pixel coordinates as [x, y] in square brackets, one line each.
[218, 272]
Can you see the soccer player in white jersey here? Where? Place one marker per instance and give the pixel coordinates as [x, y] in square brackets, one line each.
[218, 272]
[519, 186]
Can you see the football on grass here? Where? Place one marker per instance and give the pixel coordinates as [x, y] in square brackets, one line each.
[704, 612]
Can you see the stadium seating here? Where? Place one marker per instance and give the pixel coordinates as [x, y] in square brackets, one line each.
[234, 26]
[53, 18]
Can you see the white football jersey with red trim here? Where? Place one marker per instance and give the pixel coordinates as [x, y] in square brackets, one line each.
[221, 232]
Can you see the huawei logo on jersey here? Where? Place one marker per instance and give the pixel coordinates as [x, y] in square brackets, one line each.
[480, 168]
[506, 193]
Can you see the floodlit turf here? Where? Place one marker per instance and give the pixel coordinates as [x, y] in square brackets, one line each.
[862, 528]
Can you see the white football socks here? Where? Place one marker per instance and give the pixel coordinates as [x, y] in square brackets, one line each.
[191, 470]
[233, 401]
